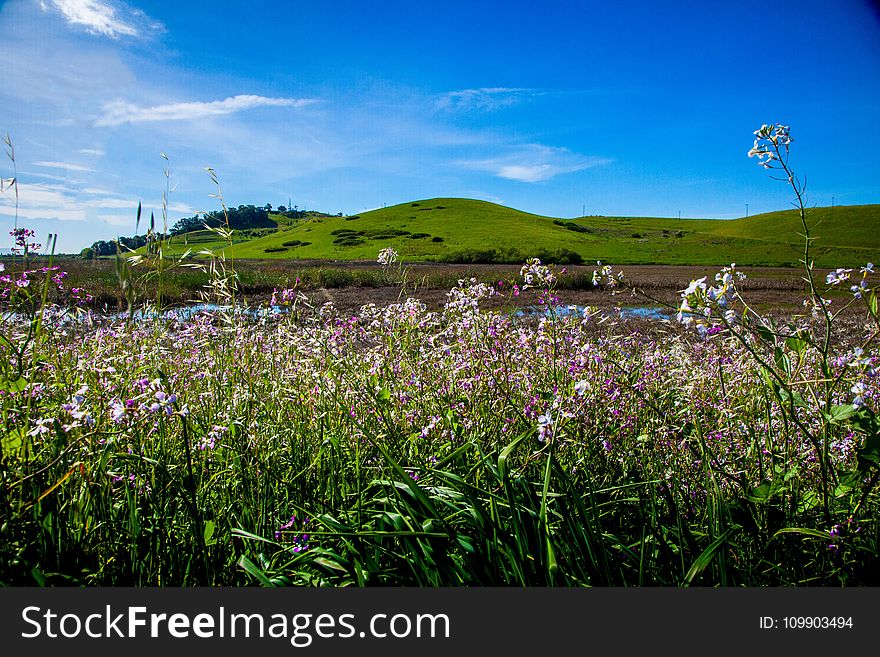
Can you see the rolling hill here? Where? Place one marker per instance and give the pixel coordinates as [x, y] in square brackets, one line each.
[466, 230]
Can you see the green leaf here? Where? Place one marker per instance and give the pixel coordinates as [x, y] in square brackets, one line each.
[454, 456]
[792, 473]
[241, 533]
[869, 454]
[408, 482]
[705, 558]
[506, 452]
[254, 571]
[806, 533]
[797, 345]
[210, 527]
[809, 501]
[849, 482]
[761, 492]
[329, 563]
[866, 421]
[785, 396]
[13, 441]
[383, 396]
[782, 361]
[841, 412]
[13, 385]
[466, 542]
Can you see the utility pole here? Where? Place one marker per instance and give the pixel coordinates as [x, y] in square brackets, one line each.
[679, 214]
[583, 210]
[747, 210]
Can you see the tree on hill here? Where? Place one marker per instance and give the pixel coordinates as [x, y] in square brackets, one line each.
[240, 218]
[243, 217]
[108, 247]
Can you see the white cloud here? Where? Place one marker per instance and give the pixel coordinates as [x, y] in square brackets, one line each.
[118, 112]
[67, 166]
[535, 163]
[94, 152]
[43, 201]
[109, 202]
[53, 77]
[183, 208]
[112, 19]
[38, 201]
[45, 176]
[484, 98]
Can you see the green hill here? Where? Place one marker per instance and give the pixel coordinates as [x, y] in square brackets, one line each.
[465, 230]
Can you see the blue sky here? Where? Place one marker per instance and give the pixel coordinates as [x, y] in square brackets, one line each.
[630, 108]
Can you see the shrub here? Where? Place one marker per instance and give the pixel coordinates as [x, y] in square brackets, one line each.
[570, 225]
[348, 241]
[384, 233]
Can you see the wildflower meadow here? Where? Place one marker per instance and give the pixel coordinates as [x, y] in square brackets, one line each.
[397, 445]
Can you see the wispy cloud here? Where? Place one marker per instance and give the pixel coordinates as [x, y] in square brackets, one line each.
[54, 76]
[44, 201]
[484, 98]
[534, 163]
[110, 202]
[94, 152]
[38, 201]
[110, 18]
[118, 112]
[67, 166]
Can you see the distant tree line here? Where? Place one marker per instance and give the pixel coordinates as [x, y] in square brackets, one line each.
[511, 256]
[108, 247]
[240, 218]
[244, 217]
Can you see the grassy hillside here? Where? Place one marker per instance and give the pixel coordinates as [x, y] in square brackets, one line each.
[465, 230]
[848, 225]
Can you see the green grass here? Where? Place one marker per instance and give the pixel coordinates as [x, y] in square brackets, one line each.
[405, 447]
[462, 446]
[466, 230]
